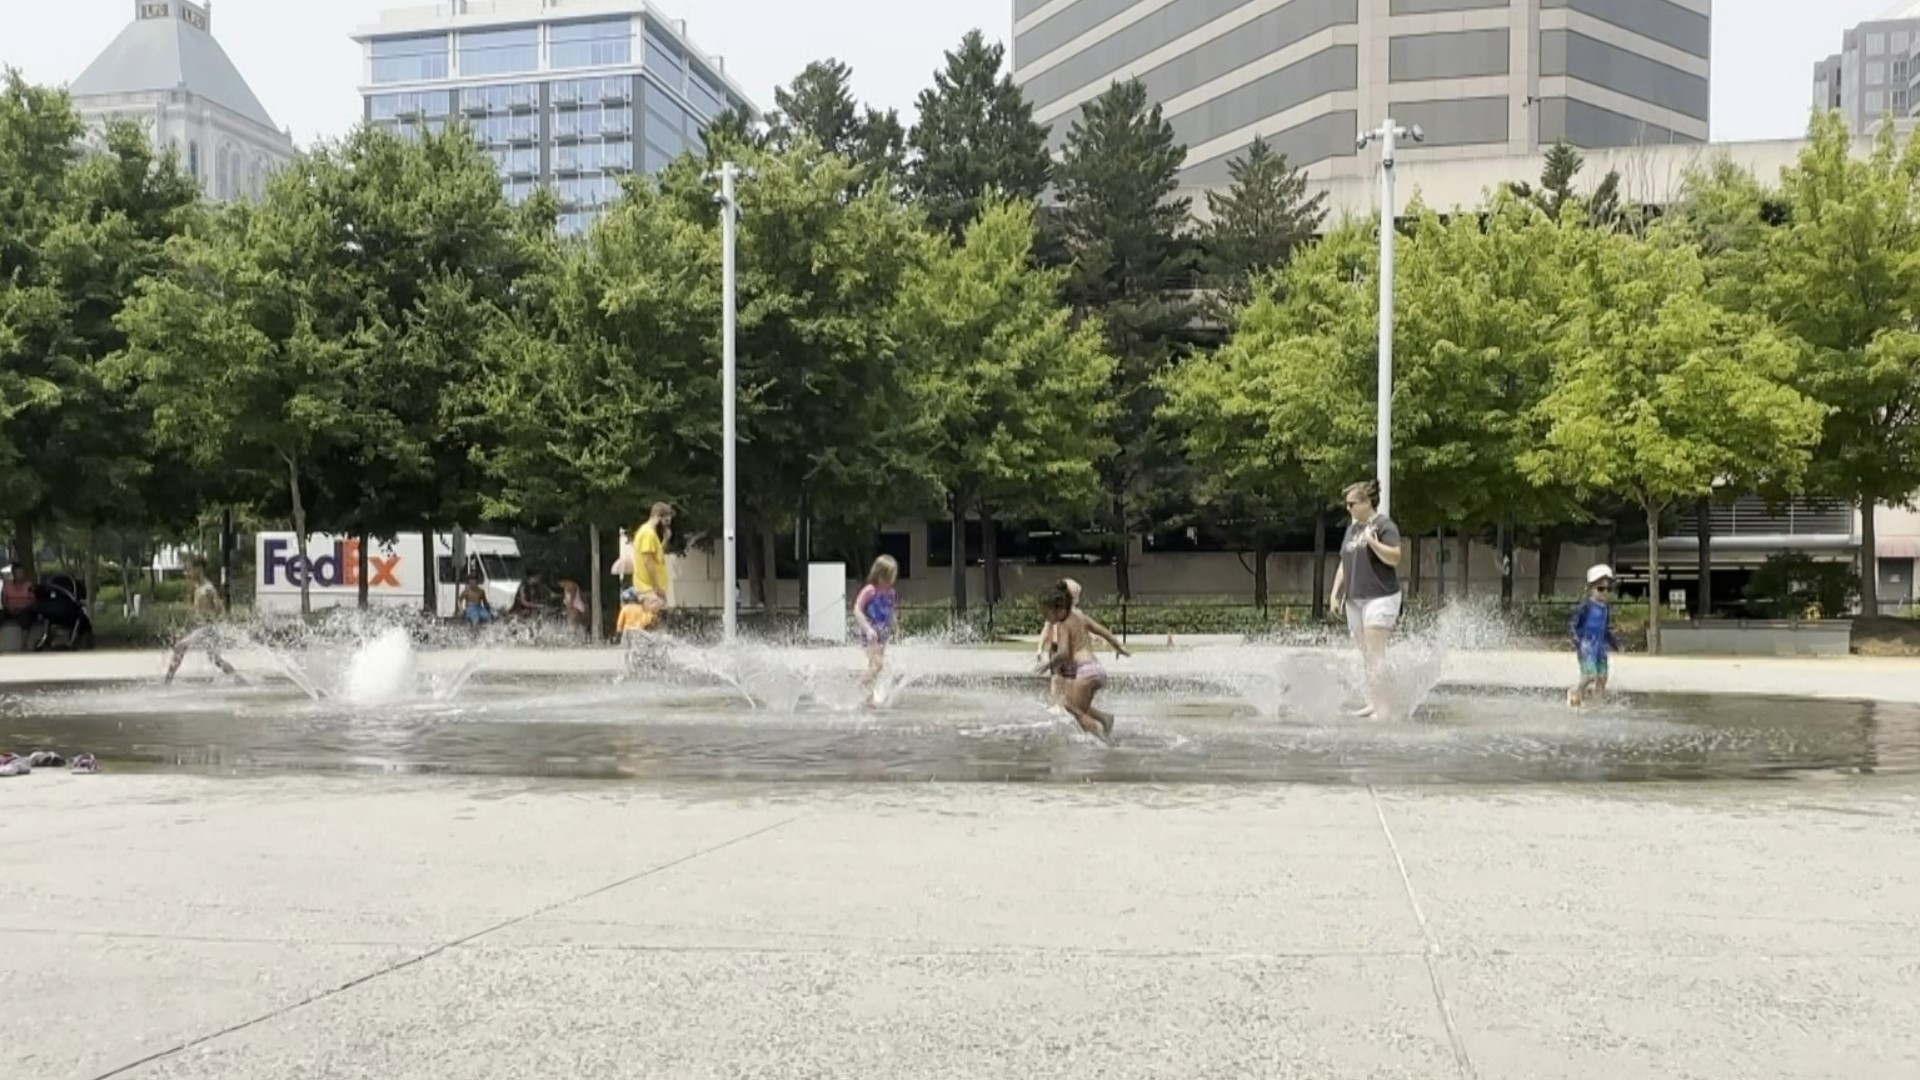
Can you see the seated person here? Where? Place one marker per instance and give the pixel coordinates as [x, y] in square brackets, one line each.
[474, 605]
[18, 598]
[531, 598]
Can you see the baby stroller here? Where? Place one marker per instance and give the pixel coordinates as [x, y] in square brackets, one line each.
[61, 606]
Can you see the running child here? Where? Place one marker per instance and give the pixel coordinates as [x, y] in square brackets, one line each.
[873, 611]
[204, 634]
[1592, 629]
[1050, 644]
[1074, 660]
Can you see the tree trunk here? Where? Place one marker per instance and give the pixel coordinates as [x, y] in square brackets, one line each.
[1466, 552]
[1122, 566]
[1261, 547]
[226, 558]
[1440, 563]
[92, 570]
[24, 542]
[360, 568]
[1506, 566]
[1869, 560]
[593, 575]
[756, 570]
[1412, 562]
[803, 549]
[959, 554]
[429, 578]
[1653, 582]
[990, 555]
[1549, 582]
[1319, 565]
[770, 571]
[1703, 605]
[459, 558]
[300, 535]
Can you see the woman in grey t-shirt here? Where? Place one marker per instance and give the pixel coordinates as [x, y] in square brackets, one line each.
[1368, 584]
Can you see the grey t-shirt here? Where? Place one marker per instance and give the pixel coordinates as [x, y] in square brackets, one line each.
[1367, 577]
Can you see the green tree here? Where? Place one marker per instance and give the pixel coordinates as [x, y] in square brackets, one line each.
[1125, 228]
[1843, 278]
[1254, 226]
[819, 107]
[1282, 415]
[1554, 194]
[825, 414]
[601, 390]
[80, 225]
[1658, 393]
[237, 349]
[975, 135]
[1017, 392]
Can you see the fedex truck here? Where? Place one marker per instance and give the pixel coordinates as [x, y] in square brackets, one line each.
[331, 568]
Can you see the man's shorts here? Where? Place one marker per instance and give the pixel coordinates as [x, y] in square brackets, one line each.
[1380, 613]
[1593, 663]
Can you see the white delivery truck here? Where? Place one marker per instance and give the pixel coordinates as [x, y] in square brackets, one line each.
[331, 566]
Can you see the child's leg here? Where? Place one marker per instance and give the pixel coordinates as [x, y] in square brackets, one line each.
[1080, 704]
[179, 654]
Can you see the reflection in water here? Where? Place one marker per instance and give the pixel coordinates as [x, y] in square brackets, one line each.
[776, 719]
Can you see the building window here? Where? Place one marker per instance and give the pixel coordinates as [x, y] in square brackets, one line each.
[601, 43]
[1876, 73]
[415, 105]
[193, 161]
[419, 58]
[707, 102]
[657, 159]
[1876, 44]
[499, 52]
[1876, 103]
[664, 62]
[498, 99]
[614, 89]
[664, 134]
[1901, 40]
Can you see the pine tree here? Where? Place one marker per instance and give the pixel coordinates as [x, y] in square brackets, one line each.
[1258, 222]
[976, 133]
[1124, 228]
[1555, 191]
[819, 103]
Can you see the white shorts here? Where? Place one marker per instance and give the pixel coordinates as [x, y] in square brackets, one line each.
[1381, 612]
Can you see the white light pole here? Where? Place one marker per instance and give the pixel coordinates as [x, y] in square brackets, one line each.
[727, 174]
[1387, 136]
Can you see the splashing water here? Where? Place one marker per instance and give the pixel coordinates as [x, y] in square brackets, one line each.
[381, 670]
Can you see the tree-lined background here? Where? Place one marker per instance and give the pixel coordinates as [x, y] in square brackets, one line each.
[935, 320]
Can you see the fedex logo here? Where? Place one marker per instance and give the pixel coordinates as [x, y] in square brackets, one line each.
[328, 571]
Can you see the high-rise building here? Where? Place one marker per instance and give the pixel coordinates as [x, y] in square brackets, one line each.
[166, 71]
[1876, 73]
[568, 93]
[1480, 76]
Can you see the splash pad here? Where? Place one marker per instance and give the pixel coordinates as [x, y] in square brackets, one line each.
[355, 695]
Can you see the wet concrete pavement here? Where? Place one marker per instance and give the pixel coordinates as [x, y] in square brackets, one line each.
[417, 927]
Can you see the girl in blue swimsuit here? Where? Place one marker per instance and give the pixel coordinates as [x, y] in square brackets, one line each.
[873, 610]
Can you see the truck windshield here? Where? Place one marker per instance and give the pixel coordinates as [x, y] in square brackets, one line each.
[501, 567]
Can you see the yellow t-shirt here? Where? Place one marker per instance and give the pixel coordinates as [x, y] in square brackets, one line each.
[649, 561]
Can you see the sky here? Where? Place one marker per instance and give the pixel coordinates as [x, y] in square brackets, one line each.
[297, 56]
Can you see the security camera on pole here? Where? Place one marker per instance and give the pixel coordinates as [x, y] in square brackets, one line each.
[727, 174]
[1387, 136]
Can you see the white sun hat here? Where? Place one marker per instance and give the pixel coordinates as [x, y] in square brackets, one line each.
[1599, 572]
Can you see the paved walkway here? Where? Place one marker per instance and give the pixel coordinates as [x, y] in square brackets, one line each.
[420, 929]
[1891, 680]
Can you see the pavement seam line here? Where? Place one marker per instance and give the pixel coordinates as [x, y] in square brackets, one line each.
[1430, 954]
[402, 965]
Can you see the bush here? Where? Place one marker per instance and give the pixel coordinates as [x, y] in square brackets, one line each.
[1792, 585]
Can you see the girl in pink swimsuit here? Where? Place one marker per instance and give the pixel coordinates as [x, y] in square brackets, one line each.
[1075, 633]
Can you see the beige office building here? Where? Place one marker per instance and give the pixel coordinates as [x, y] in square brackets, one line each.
[1481, 77]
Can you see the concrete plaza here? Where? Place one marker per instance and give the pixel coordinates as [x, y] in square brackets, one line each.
[407, 927]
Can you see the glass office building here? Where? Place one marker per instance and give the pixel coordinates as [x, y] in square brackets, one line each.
[574, 95]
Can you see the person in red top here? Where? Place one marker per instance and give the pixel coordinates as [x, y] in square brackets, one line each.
[17, 598]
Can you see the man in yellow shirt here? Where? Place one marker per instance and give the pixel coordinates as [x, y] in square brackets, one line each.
[642, 604]
[650, 555]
